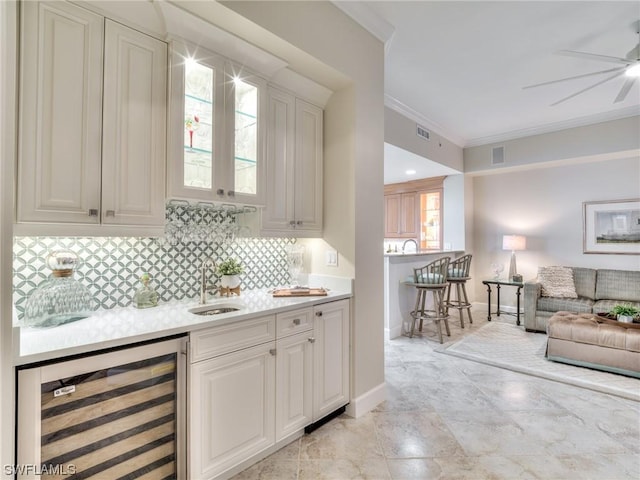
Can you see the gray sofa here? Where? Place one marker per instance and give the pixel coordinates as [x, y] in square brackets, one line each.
[598, 291]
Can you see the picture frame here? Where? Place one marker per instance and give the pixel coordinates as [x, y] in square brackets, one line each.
[611, 227]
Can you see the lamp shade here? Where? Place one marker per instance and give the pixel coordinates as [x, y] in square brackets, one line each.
[514, 242]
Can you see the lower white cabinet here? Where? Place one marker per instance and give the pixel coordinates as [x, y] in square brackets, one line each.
[231, 416]
[330, 357]
[257, 382]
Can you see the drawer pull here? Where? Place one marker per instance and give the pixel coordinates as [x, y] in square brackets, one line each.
[318, 314]
[93, 212]
[312, 340]
[296, 321]
[273, 352]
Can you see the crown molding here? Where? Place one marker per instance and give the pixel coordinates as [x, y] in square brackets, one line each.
[556, 126]
[416, 116]
[368, 19]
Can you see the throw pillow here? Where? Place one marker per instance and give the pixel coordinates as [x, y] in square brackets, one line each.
[557, 282]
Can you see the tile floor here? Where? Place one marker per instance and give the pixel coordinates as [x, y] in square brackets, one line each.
[450, 418]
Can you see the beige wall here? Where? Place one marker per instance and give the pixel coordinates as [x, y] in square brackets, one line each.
[401, 132]
[545, 204]
[617, 138]
[354, 160]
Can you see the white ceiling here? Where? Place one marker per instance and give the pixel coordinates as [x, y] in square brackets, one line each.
[459, 67]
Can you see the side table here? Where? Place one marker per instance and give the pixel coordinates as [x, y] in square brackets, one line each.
[498, 283]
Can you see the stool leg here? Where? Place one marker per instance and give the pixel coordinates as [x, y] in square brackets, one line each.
[415, 314]
[422, 314]
[466, 301]
[448, 297]
[459, 303]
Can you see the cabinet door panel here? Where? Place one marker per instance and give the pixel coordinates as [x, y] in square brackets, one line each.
[278, 211]
[391, 215]
[409, 219]
[294, 387]
[135, 98]
[308, 173]
[331, 357]
[60, 125]
[233, 396]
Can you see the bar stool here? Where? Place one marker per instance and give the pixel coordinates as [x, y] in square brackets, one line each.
[432, 278]
[458, 275]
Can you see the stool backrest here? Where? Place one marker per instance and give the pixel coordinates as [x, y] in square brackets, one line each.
[434, 273]
[459, 268]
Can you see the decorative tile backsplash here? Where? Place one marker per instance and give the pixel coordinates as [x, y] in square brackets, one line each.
[110, 267]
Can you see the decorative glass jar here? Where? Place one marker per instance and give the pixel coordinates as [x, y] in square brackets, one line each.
[60, 298]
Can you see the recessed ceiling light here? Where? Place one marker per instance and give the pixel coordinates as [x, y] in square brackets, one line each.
[410, 172]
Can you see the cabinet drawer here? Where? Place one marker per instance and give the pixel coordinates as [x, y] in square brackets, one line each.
[288, 323]
[234, 336]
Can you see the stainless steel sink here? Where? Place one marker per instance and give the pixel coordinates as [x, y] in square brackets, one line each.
[215, 309]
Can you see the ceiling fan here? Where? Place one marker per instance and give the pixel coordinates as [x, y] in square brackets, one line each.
[628, 67]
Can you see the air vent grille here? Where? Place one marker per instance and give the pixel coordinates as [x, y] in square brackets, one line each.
[497, 155]
[423, 132]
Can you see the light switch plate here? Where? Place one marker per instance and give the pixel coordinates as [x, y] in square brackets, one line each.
[331, 258]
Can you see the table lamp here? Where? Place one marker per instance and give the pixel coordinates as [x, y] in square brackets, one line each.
[513, 243]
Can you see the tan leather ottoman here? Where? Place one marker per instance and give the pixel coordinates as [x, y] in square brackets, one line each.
[589, 341]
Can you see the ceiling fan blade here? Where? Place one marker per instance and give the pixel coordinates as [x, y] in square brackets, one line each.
[588, 88]
[594, 56]
[617, 69]
[624, 91]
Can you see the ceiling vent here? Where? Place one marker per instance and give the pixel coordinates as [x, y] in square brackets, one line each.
[497, 155]
[423, 132]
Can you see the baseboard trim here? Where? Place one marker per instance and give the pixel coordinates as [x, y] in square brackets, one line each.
[367, 401]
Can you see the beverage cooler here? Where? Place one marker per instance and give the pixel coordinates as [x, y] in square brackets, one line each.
[117, 414]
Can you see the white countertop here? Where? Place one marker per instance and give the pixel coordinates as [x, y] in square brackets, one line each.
[122, 326]
[421, 253]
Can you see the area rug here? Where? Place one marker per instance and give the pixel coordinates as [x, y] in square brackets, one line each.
[507, 346]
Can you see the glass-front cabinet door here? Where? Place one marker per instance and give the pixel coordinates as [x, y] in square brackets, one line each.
[215, 132]
[245, 114]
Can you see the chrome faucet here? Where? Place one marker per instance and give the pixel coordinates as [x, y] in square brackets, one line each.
[204, 288]
[410, 240]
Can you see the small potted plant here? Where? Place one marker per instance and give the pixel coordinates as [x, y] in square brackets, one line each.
[230, 271]
[625, 313]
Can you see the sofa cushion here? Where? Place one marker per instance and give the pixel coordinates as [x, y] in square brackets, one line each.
[585, 281]
[585, 329]
[557, 282]
[579, 305]
[618, 285]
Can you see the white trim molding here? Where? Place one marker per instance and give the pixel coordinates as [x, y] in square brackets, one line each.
[368, 19]
[367, 401]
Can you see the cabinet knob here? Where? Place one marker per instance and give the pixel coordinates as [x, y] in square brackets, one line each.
[220, 191]
[93, 212]
[292, 223]
[231, 193]
[312, 340]
[299, 223]
[318, 314]
[273, 352]
[296, 321]
[110, 213]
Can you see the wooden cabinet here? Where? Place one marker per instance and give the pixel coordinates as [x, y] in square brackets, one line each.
[294, 167]
[331, 357]
[216, 130]
[401, 215]
[91, 138]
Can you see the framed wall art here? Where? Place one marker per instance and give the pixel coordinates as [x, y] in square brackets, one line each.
[612, 227]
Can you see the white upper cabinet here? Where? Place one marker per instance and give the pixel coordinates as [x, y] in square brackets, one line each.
[60, 114]
[216, 137]
[294, 167]
[91, 140]
[134, 130]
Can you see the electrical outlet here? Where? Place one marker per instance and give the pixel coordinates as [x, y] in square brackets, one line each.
[331, 258]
